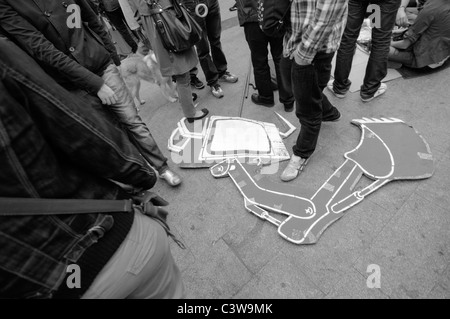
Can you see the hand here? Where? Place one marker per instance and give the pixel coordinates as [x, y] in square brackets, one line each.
[402, 19]
[107, 95]
[300, 61]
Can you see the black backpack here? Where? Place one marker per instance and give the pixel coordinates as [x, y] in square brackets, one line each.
[274, 16]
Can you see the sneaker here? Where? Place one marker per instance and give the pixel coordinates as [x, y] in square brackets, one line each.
[228, 77]
[296, 165]
[338, 95]
[217, 91]
[381, 90]
[171, 178]
[195, 82]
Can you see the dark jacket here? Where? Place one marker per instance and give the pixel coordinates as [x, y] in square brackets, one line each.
[53, 146]
[247, 11]
[75, 56]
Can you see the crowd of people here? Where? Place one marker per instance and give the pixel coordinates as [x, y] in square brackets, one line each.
[69, 128]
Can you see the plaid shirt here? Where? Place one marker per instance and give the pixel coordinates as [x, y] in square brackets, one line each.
[316, 26]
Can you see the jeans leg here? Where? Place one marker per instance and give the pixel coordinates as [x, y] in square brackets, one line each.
[185, 94]
[308, 96]
[404, 57]
[356, 12]
[214, 28]
[276, 48]
[322, 64]
[258, 42]
[125, 110]
[381, 38]
[204, 56]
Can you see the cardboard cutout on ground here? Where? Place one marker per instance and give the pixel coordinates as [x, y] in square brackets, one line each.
[389, 150]
[214, 139]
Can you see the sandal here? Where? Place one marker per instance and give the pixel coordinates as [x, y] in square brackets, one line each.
[192, 119]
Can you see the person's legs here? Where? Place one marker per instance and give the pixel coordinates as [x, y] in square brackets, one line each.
[118, 20]
[285, 73]
[214, 30]
[322, 65]
[127, 114]
[185, 94]
[404, 57]
[344, 59]
[285, 94]
[142, 267]
[258, 42]
[381, 38]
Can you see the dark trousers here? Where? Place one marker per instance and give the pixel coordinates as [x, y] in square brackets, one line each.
[381, 38]
[258, 43]
[209, 49]
[117, 19]
[307, 83]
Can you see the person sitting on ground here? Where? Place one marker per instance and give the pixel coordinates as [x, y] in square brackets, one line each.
[427, 41]
[72, 45]
[52, 146]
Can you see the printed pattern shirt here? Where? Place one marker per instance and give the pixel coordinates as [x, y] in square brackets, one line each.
[316, 26]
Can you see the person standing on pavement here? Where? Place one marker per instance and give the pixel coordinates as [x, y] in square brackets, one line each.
[258, 42]
[377, 65]
[310, 44]
[212, 58]
[69, 41]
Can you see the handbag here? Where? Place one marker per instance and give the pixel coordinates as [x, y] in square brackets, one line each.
[176, 27]
[274, 17]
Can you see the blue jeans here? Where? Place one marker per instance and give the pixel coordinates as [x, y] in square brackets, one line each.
[209, 49]
[258, 42]
[128, 116]
[307, 83]
[381, 38]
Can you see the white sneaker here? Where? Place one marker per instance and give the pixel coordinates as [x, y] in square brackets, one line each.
[217, 91]
[381, 90]
[296, 165]
[330, 87]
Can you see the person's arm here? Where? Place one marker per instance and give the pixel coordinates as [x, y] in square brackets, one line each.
[88, 15]
[402, 44]
[402, 19]
[327, 14]
[424, 20]
[35, 44]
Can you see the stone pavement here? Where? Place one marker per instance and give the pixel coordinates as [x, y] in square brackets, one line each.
[403, 227]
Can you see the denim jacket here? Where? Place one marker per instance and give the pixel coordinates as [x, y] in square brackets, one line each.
[54, 144]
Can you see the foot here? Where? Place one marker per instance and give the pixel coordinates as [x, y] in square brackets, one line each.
[217, 91]
[338, 95]
[256, 98]
[289, 107]
[336, 116]
[195, 82]
[171, 178]
[296, 165]
[228, 77]
[233, 8]
[381, 90]
[194, 97]
[198, 115]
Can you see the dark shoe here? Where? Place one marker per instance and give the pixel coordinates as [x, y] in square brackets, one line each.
[233, 8]
[194, 97]
[192, 119]
[289, 107]
[334, 118]
[257, 100]
[195, 82]
[171, 178]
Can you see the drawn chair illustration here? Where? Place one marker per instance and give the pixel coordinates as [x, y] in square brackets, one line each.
[389, 150]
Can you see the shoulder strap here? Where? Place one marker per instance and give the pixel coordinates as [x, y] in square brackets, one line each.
[43, 206]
